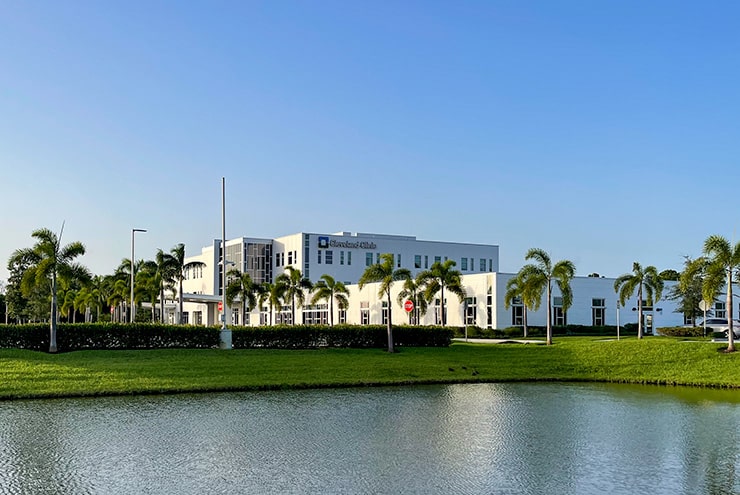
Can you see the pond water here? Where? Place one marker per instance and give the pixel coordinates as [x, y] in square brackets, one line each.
[463, 439]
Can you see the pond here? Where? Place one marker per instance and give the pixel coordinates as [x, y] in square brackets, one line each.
[526, 438]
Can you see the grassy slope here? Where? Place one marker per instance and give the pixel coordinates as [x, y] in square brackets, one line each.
[653, 360]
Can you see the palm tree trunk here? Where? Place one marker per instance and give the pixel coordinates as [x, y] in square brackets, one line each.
[390, 326]
[53, 319]
[549, 314]
[525, 319]
[442, 305]
[731, 330]
[639, 312]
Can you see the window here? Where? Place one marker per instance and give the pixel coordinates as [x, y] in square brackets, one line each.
[329, 257]
[598, 312]
[471, 310]
[489, 311]
[319, 256]
[197, 317]
[417, 261]
[349, 257]
[377, 257]
[385, 313]
[517, 312]
[719, 310]
[558, 313]
[184, 318]
[490, 265]
[464, 264]
[482, 265]
[342, 316]
[368, 259]
[364, 313]
[277, 259]
[290, 257]
[341, 257]
[426, 261]
[398, 262]
[316, 314]
[437, 259]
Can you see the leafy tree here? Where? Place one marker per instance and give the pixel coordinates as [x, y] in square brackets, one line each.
[688, 290]
[293, 287]
[329, 289]
[413, 290]
[439, 277]
[539, 276]
[242, 287]
[174, 268]
[669, 275]
[722, 268]
[384, 274]
[648, 283]
[148, 285]
[47, 261]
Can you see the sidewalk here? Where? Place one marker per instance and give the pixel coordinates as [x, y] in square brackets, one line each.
[498, 341]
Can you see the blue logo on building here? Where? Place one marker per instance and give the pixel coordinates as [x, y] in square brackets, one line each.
[323, 242]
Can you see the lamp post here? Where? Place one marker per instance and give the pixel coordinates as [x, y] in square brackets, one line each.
[225, 336]
[133, 308]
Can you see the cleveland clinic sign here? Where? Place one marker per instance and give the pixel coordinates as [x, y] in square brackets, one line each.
[325, 243]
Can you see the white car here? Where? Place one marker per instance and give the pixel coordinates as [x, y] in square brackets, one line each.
[721, 325]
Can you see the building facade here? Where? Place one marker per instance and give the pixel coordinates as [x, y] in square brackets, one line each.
[345, 256]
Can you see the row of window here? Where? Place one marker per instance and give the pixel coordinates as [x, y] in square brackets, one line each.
[328, 257]
[280, 258]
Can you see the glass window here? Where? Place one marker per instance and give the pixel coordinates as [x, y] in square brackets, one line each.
[426, 261]
[329, 257]
[290, 257]
[719, 310]
[385, 313]
[471, 310]
[417, 261]
[463, 264]
[398, 262]
[341, 257]
[437, 259]
[368, 259]
[349, 257]
[482, 265]
[319, 256]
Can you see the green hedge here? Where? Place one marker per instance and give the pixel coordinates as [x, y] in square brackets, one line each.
[72, 337]
[681, 331]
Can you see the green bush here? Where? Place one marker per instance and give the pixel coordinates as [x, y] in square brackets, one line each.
[72, 337]
[681, 331]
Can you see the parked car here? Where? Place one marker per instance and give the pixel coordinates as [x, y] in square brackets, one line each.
[721, 325]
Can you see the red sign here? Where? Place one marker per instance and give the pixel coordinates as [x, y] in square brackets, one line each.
[220, 305]
[408, 305]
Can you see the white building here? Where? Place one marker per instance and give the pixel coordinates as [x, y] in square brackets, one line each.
[345, 256]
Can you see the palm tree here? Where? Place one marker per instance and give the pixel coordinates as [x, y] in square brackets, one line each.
[331, 290]
[722, 267]
[439, 277]
[272, 294]
[647, 281]
[538, 277]
[243, 288]
[413, 290]
[293, 286]
[517, 287]
[384, 273]
[174, 267]
[148, 285]
[48, 260]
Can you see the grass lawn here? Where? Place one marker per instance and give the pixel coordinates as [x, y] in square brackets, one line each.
[658, 360]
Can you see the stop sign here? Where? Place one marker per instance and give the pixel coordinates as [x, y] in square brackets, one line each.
[220, 305]
[408, 305]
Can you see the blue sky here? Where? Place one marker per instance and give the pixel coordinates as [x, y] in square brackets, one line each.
[603, 132]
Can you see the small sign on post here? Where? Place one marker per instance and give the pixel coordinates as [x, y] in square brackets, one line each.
[220, 305]
[408, 305]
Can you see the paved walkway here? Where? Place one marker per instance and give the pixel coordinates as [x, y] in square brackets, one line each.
[499, 341]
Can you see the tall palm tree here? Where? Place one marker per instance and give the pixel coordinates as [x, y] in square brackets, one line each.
[517, 287]
[722, 267]
[48, 260]
[331, 290]
[648, 283]
[385, 275]
[441, 276]
[148, 284]
[166, 275]
[538, 277]
[294, 286]
[272, 294]
[175, 267]
[413, 290]
[242, 287]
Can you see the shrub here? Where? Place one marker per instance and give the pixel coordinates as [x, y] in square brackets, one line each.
[681, 331]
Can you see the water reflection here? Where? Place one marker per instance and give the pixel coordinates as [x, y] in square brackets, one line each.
[487, 438]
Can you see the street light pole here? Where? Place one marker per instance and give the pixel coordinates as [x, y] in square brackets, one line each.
[225, 337]
[133, 308]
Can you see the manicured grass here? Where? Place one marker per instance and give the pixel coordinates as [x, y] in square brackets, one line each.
[25, 374]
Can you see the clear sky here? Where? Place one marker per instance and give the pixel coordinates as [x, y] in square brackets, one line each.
[604, 132]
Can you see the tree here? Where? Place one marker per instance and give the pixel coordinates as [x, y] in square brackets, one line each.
[174, 268]
[669, 275]
[47, 261]
[272, 294]
[242, 287]
[722, 268]
[148, 285]
[329, 289]
[413, 290]
[538, 277]
[688, 290]
[384, 274]
[647, 281]
[293, 287]
[517, 287]
[439, 277]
